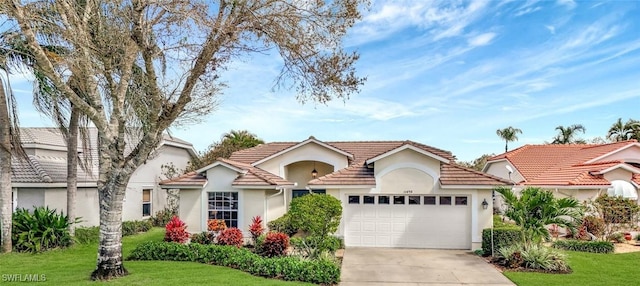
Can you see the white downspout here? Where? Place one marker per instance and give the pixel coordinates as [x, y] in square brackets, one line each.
[266, 203]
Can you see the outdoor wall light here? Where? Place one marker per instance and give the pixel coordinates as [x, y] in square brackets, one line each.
[485, 205]
[314, 173]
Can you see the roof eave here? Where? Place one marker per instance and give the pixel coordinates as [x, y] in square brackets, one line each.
[296, 146]
[405, 147]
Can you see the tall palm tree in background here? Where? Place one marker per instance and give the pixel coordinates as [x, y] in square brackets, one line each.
[241, 138]
[567, 135]
[508, 134]
[624, 131]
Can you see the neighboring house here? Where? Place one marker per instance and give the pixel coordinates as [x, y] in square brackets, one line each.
[582, 171]
[393, 193]
[42, 179]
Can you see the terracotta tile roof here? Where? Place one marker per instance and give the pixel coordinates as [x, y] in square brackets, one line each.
[556, 164]
[188, 179]
[352, 175]
[255, 176]
[361, 150]
[453, 174]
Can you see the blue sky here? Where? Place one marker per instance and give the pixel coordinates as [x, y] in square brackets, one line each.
[447, 74]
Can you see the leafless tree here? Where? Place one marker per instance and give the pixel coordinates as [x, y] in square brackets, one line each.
[140, 65]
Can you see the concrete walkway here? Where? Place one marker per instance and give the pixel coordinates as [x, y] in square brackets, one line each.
[394, 266]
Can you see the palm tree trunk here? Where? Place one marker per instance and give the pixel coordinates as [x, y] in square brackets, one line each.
[6, 210]
[72, 169]
[506, 146]
[111, 195]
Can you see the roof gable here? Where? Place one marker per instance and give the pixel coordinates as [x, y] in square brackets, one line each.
[633, 144]
[407, 147]
[303, 143]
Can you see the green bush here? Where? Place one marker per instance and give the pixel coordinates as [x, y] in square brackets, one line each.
[318, 216]
[531, 256]
[282, 224]
[537, 256]
[593, 225]
[162, 217]
[319, 271]
[87, 235]
[205, 237]
[585, 246]
[501, 237]
[499, 222]
[135, 227]
[39, 230]
[617, 237]
[306, 246]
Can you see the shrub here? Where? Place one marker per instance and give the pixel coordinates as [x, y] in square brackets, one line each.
[256, 229]
[282, 224]
[537, 256]
[306, 246]
[135, 226]
[501, 237]
[593, 225]
[204, 237]
[499, 222]
[274, 244]
[531, 256]
[39, 231]
[176, 231]
[87, 235]
[585, 246]
[319, 216]
[320, 271]
[617, 237]
[230, 236]
[216, 225]
[162, 217]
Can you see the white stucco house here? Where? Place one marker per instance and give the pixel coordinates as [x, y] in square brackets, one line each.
[41, 180]
[582, 171]
[393, 193]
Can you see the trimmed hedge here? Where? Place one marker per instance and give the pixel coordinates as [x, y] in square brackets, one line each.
[503, 236]
[585, 246]
[135, 226]
[319, 271]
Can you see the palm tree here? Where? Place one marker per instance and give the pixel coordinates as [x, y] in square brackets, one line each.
[241, 138]
[508, 134]
[9, 144]
[623, 131]
[535, 209]
[567, 135]
[49, 101]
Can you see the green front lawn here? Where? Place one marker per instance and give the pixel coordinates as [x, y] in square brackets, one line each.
[588, 269]
[74, 265]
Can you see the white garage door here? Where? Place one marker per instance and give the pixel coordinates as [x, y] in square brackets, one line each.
[416, 221]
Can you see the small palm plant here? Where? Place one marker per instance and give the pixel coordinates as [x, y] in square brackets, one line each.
[535, 209]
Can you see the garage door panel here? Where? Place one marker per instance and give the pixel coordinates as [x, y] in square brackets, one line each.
[416, 226]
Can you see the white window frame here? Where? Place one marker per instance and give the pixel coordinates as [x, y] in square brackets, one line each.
[150, 202]
[230, 210]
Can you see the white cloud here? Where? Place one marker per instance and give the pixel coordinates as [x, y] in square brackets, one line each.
[526, 11]
[551, 29]
[570, 4]
[481, 40]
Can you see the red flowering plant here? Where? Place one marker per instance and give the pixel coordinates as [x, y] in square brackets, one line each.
[176, 231]
[255, 228]
[274, 244]
[230, 236]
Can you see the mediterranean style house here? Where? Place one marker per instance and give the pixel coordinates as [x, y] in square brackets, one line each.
[41, 180]
[582, 171]
[393, 193]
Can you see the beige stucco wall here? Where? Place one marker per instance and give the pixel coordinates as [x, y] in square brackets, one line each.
[618, 174]
[631, 154]
[406, 180]
[499, 169]
[251, 204]
[28, 198]
[147, 176]
[300, 172]
[87, 207]
[275, 204]
[191, 209]
[307, 152]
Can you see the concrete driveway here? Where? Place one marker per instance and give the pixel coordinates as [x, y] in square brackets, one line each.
[394, 266]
